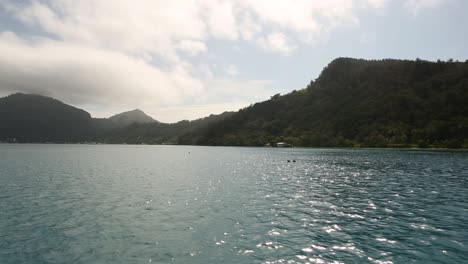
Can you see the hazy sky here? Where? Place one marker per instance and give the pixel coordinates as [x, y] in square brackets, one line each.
[186, 59]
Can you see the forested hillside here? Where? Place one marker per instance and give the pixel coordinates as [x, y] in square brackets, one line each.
[384, 103]
[158, 133]
[354, 102]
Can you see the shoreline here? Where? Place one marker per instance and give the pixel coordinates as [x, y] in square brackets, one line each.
[296, 147]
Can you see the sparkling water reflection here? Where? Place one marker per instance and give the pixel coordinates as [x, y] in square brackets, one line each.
[173, 204]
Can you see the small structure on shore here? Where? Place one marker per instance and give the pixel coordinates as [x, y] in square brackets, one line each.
[283, 145]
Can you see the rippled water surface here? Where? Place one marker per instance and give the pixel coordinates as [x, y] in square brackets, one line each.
[174, 204]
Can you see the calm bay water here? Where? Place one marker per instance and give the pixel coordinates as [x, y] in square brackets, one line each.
[175, 204]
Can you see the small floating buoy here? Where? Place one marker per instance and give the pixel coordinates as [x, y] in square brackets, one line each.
[294, 160]
[289, 161]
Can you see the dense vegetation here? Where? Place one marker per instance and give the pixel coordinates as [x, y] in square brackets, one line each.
[385, 103]
[158, 133]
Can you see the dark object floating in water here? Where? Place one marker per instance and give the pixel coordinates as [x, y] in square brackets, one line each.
[289, 161]
[294, 160]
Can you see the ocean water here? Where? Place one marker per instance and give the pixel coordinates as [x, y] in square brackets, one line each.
[178, 204]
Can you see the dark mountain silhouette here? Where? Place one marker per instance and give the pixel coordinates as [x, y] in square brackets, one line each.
[130, 117]
[36, 118]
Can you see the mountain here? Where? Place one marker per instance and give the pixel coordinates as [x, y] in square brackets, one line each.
[159, 133]
[354, 102]
[130, 117]
[36, 118]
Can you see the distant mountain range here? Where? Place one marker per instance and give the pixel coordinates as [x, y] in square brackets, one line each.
[35, 118]
[354, 102]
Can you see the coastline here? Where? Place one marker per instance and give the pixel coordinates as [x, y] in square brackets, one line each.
[413, 148]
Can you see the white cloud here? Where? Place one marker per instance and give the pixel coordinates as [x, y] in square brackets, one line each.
[84, 74]
[376, 3]
[220, 19]
[156, 27]
[191, 47]
[149, 27]
[415, 6]
[87, 76]
[248, 27]
[277, 42]
[303, 16]
[232, 70]
[124, 54]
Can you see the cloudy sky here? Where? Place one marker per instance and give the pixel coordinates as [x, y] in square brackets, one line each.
[185, 59]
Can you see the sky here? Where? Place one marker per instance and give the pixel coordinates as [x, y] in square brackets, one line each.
[186, 59]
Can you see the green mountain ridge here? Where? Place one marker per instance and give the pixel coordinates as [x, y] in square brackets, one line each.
[354, 102]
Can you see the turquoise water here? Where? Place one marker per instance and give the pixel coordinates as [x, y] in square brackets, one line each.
[176, 204]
